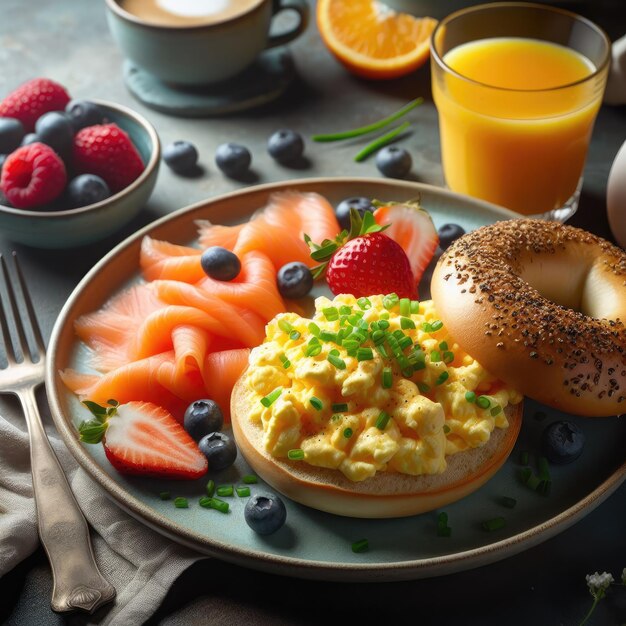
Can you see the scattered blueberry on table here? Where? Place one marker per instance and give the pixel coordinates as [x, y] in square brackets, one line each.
[393, 162]
[285, 146]
[203, 417]
[219, 449]
[361, 204]
[181, 156]
[294, 280]
[220, 263]
[233, 159]
[265, 513]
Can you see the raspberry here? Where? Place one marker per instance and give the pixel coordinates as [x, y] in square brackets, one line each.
[107, 151]
[32, 99]
[32, 176]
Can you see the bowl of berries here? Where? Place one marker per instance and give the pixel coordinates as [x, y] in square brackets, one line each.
[71, 171]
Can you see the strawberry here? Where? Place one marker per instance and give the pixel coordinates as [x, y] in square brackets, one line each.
[143, 438]
[364, 262]
[413, 228]
[107, 151]
[32, 176]
[31, 100]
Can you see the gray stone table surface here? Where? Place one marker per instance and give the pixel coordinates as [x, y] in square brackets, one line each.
[69, 42]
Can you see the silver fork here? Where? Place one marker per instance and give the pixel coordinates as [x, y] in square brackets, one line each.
[77, 582]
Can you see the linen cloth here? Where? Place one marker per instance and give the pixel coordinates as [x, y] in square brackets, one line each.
[140, 563]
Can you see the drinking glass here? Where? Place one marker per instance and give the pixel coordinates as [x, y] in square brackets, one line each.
[519, 138]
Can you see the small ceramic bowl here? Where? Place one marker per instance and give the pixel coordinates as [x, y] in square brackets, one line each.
[83, 225]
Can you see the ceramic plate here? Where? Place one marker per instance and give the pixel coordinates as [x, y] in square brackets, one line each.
[313, 544]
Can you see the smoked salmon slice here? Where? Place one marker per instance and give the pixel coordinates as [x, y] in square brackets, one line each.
[164, 260]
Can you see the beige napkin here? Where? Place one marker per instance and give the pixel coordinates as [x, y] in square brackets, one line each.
[140, 563]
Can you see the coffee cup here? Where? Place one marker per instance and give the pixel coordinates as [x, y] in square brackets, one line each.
[199, 42]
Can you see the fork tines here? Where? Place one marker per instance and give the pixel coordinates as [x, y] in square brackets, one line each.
[9, 307]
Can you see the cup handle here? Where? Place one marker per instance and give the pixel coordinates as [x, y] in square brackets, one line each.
[301, 7]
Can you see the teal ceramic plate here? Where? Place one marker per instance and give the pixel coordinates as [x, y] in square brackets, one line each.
[314, 544]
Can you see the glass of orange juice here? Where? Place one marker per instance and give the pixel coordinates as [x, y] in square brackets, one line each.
[517, 88]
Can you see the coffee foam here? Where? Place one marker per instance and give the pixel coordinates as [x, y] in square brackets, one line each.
[195, 8]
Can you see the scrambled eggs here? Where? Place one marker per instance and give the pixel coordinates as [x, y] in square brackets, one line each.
[371, 384]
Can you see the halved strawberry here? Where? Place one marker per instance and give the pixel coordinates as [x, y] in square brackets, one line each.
[143, 438]
[412, 227]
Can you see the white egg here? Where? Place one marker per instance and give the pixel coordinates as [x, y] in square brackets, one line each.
[616, 197]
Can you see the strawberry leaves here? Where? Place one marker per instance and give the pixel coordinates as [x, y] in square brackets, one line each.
[359, 226]
[92, 431]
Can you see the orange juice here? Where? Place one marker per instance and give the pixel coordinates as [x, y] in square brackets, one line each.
[515, 118]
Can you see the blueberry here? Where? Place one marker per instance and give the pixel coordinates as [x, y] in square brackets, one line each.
[342, 211]
[203, 417]
[181, 156]
[233, 159]
[286, 146]
[11, 134]
[3, 158]
[29, 138]
[219, 449]
[393, 162]
[562, 442]
[55, 129]
[265, 513]
[83, 113]
[449, 233]
[87, 189]
[220, 263]
[294, 280]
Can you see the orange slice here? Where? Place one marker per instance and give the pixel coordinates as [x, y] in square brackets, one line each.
[372, 40]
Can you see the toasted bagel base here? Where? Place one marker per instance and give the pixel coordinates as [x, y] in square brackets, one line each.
[384, 495]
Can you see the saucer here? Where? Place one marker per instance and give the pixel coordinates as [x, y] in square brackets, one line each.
[266, 79]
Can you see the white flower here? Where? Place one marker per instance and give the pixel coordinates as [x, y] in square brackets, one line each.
[600, 582]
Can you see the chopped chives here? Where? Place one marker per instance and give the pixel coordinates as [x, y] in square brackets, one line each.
[382, 420]
[423, 387]
[508, 502]
[336, 417]
[210, 488]
[406, 322]
[444, 531]
[285, 361]
[398, 334]
[524, 457]
[354, 318]
[495, 410]
[525, 474]
[364, 303]
[327, 335]
[442, 378]
[483, 402]
[415, 306]
[380, 348]
[285, 326]
[435, 356]
[331, 313]
[443, 346]
[243, 492]
[339, 363]
[339, 407]
[418, 359]
[295, 454]
[316, 403]
[378, 336]
[270, 398]
[312, 350]
[390, 300]
[543, 468]
[442, 519]
[219, 505]
[225, 491]
[294, 334]
[165, 495]
[364, 354]
[544, 487]
[181, 503]
[314, 329]
[405, 342]
[495, 523]
[436, 325]
[205, 501]
[387, 378]
[383, 315]
[347, 433]
[350, 344]
[446, 429]
[344, 309]
[360, 546]
[448, 357]
[405, 306]
[383, 324]
[533, 481]
[250, 479]
[470, 396]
